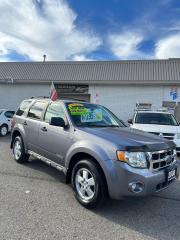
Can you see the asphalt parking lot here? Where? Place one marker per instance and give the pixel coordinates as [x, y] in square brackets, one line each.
[35, 203]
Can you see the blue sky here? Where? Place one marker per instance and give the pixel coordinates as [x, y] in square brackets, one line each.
[89, 30]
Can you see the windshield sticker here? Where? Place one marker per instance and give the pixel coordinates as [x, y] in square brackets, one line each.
[78, 110]
[92, 116]
[75, 105]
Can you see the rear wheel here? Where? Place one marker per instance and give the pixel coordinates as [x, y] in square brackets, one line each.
[3, 130]
[19, 151]
[88, 183]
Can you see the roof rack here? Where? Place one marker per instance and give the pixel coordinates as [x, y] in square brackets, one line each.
[39, 97]
[70, 98]
[148, 107]
[143, 106]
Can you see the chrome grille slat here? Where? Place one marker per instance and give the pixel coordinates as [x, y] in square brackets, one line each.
[161, 159]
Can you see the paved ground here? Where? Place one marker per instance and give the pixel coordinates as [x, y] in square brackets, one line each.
[36, 204]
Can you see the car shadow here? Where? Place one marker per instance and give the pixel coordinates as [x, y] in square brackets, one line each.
[151, 216]
[155, 217]
[42, 167]
[5, 139]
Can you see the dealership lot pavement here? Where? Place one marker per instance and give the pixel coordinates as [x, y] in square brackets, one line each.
[35, 203]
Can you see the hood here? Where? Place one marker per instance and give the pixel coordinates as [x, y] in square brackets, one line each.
[129, 139]
[157, 128]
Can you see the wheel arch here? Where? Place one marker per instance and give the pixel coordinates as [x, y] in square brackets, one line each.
[80, 156]
[6, 125]
[15, 133]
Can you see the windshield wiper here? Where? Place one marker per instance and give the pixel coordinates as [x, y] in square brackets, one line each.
[113, 126]
[91, 125]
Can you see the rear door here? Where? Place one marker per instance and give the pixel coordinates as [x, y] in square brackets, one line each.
[54, 141]
[32, 124]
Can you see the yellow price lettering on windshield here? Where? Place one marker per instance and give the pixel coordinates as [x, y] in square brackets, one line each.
[78, 110]
[72, 105]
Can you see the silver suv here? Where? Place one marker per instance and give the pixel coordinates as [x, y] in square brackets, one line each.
[93, 148]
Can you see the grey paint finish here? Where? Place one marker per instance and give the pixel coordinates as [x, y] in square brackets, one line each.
[155, 71]
[102, 144]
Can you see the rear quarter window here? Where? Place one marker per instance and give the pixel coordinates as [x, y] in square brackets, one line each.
[23, 107]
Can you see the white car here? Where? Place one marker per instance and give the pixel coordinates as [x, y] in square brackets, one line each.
[5, 121]
[163, 124]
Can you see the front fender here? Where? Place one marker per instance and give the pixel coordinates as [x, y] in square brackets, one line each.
[102, 156]
[96, 151]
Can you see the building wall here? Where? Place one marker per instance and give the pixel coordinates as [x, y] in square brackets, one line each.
[11, 95]
[122, 100]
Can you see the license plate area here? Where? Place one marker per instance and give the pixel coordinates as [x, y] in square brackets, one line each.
[170, 174]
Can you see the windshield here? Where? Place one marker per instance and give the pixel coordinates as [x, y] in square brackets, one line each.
[92, 115]
[156, 118]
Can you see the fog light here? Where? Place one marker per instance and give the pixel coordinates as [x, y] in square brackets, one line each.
[136, 187]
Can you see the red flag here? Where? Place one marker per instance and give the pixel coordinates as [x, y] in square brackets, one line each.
[54, 94]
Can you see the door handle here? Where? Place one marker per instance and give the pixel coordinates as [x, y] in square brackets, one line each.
[44, 129]
[25, 123]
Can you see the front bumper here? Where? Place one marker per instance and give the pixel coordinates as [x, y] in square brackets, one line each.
[124, 175]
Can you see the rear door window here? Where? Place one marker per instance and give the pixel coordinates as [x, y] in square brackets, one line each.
[23, 107]
[37, 109]
[9, 114]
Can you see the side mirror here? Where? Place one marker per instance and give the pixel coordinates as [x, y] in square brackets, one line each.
[58, 122]
[130, 121]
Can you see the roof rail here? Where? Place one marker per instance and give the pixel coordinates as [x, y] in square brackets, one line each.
[148, 107]
[39, 97]
[143, 106]
[154, 110]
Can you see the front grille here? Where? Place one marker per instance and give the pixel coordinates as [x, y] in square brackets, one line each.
[169, 136]
[161, 159]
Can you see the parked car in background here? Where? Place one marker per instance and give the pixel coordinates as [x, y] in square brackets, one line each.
[92, 147]
[161, 123]
[5, 121]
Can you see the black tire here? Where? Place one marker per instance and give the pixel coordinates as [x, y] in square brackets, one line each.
[99, 189]
[22, 157]
[3, 130]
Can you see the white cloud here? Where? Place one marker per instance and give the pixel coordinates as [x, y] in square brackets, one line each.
[125, 45]
[168, 47]
[48, 29]
[81, 58]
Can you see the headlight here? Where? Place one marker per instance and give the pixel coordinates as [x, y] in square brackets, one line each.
[134, 159]
[177, 136]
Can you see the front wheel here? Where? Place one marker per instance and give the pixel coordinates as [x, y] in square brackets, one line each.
[88, 183]
[19, 151]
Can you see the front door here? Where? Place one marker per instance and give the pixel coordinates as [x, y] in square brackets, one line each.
[54, 141]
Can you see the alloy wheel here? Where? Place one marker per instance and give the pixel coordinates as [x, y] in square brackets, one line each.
[85, 184]
[17, 149]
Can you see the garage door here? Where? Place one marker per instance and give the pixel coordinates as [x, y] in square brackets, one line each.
[79, 97]
[73, 91]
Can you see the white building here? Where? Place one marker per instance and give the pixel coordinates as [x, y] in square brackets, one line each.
[118, 85]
